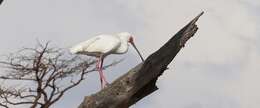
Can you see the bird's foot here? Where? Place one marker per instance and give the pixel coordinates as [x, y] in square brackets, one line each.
[105, 85]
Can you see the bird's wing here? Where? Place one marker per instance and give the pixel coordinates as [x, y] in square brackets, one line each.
[89, 42]
[79, 47]
[102, 44]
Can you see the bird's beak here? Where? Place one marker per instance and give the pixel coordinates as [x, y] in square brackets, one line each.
[133, 44]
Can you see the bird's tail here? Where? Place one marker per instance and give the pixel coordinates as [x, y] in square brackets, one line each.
[75, 49]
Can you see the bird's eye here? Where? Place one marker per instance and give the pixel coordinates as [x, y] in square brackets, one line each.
[131, 39]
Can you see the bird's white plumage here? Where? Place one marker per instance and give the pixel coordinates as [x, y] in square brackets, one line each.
[103, 44]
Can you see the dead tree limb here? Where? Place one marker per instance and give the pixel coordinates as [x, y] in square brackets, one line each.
[140, 81]
[39, 77]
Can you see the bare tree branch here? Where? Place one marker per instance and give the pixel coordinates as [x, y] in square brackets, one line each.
[46, 70]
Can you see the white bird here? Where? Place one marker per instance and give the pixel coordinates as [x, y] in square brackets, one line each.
[103, 45]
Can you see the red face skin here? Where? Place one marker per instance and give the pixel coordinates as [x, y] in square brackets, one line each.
[131, 40]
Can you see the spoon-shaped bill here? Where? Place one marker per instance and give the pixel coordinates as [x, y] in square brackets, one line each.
[137, 51]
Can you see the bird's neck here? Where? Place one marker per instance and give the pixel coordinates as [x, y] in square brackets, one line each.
[123, 48]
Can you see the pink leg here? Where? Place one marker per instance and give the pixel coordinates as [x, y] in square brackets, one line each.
[99, 71]
[102, 73]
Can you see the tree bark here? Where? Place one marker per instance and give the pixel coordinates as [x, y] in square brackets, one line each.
[140, 81]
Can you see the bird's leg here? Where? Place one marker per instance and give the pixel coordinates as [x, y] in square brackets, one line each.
[102, 73]
[99, 71]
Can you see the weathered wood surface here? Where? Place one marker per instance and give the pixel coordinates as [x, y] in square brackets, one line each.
[140, 80]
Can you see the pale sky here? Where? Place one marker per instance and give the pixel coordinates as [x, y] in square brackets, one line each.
[217, 68]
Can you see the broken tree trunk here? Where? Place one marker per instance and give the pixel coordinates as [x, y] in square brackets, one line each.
[140, 81]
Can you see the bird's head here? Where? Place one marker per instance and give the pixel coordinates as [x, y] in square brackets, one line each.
[129, 38]
[125, 36]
